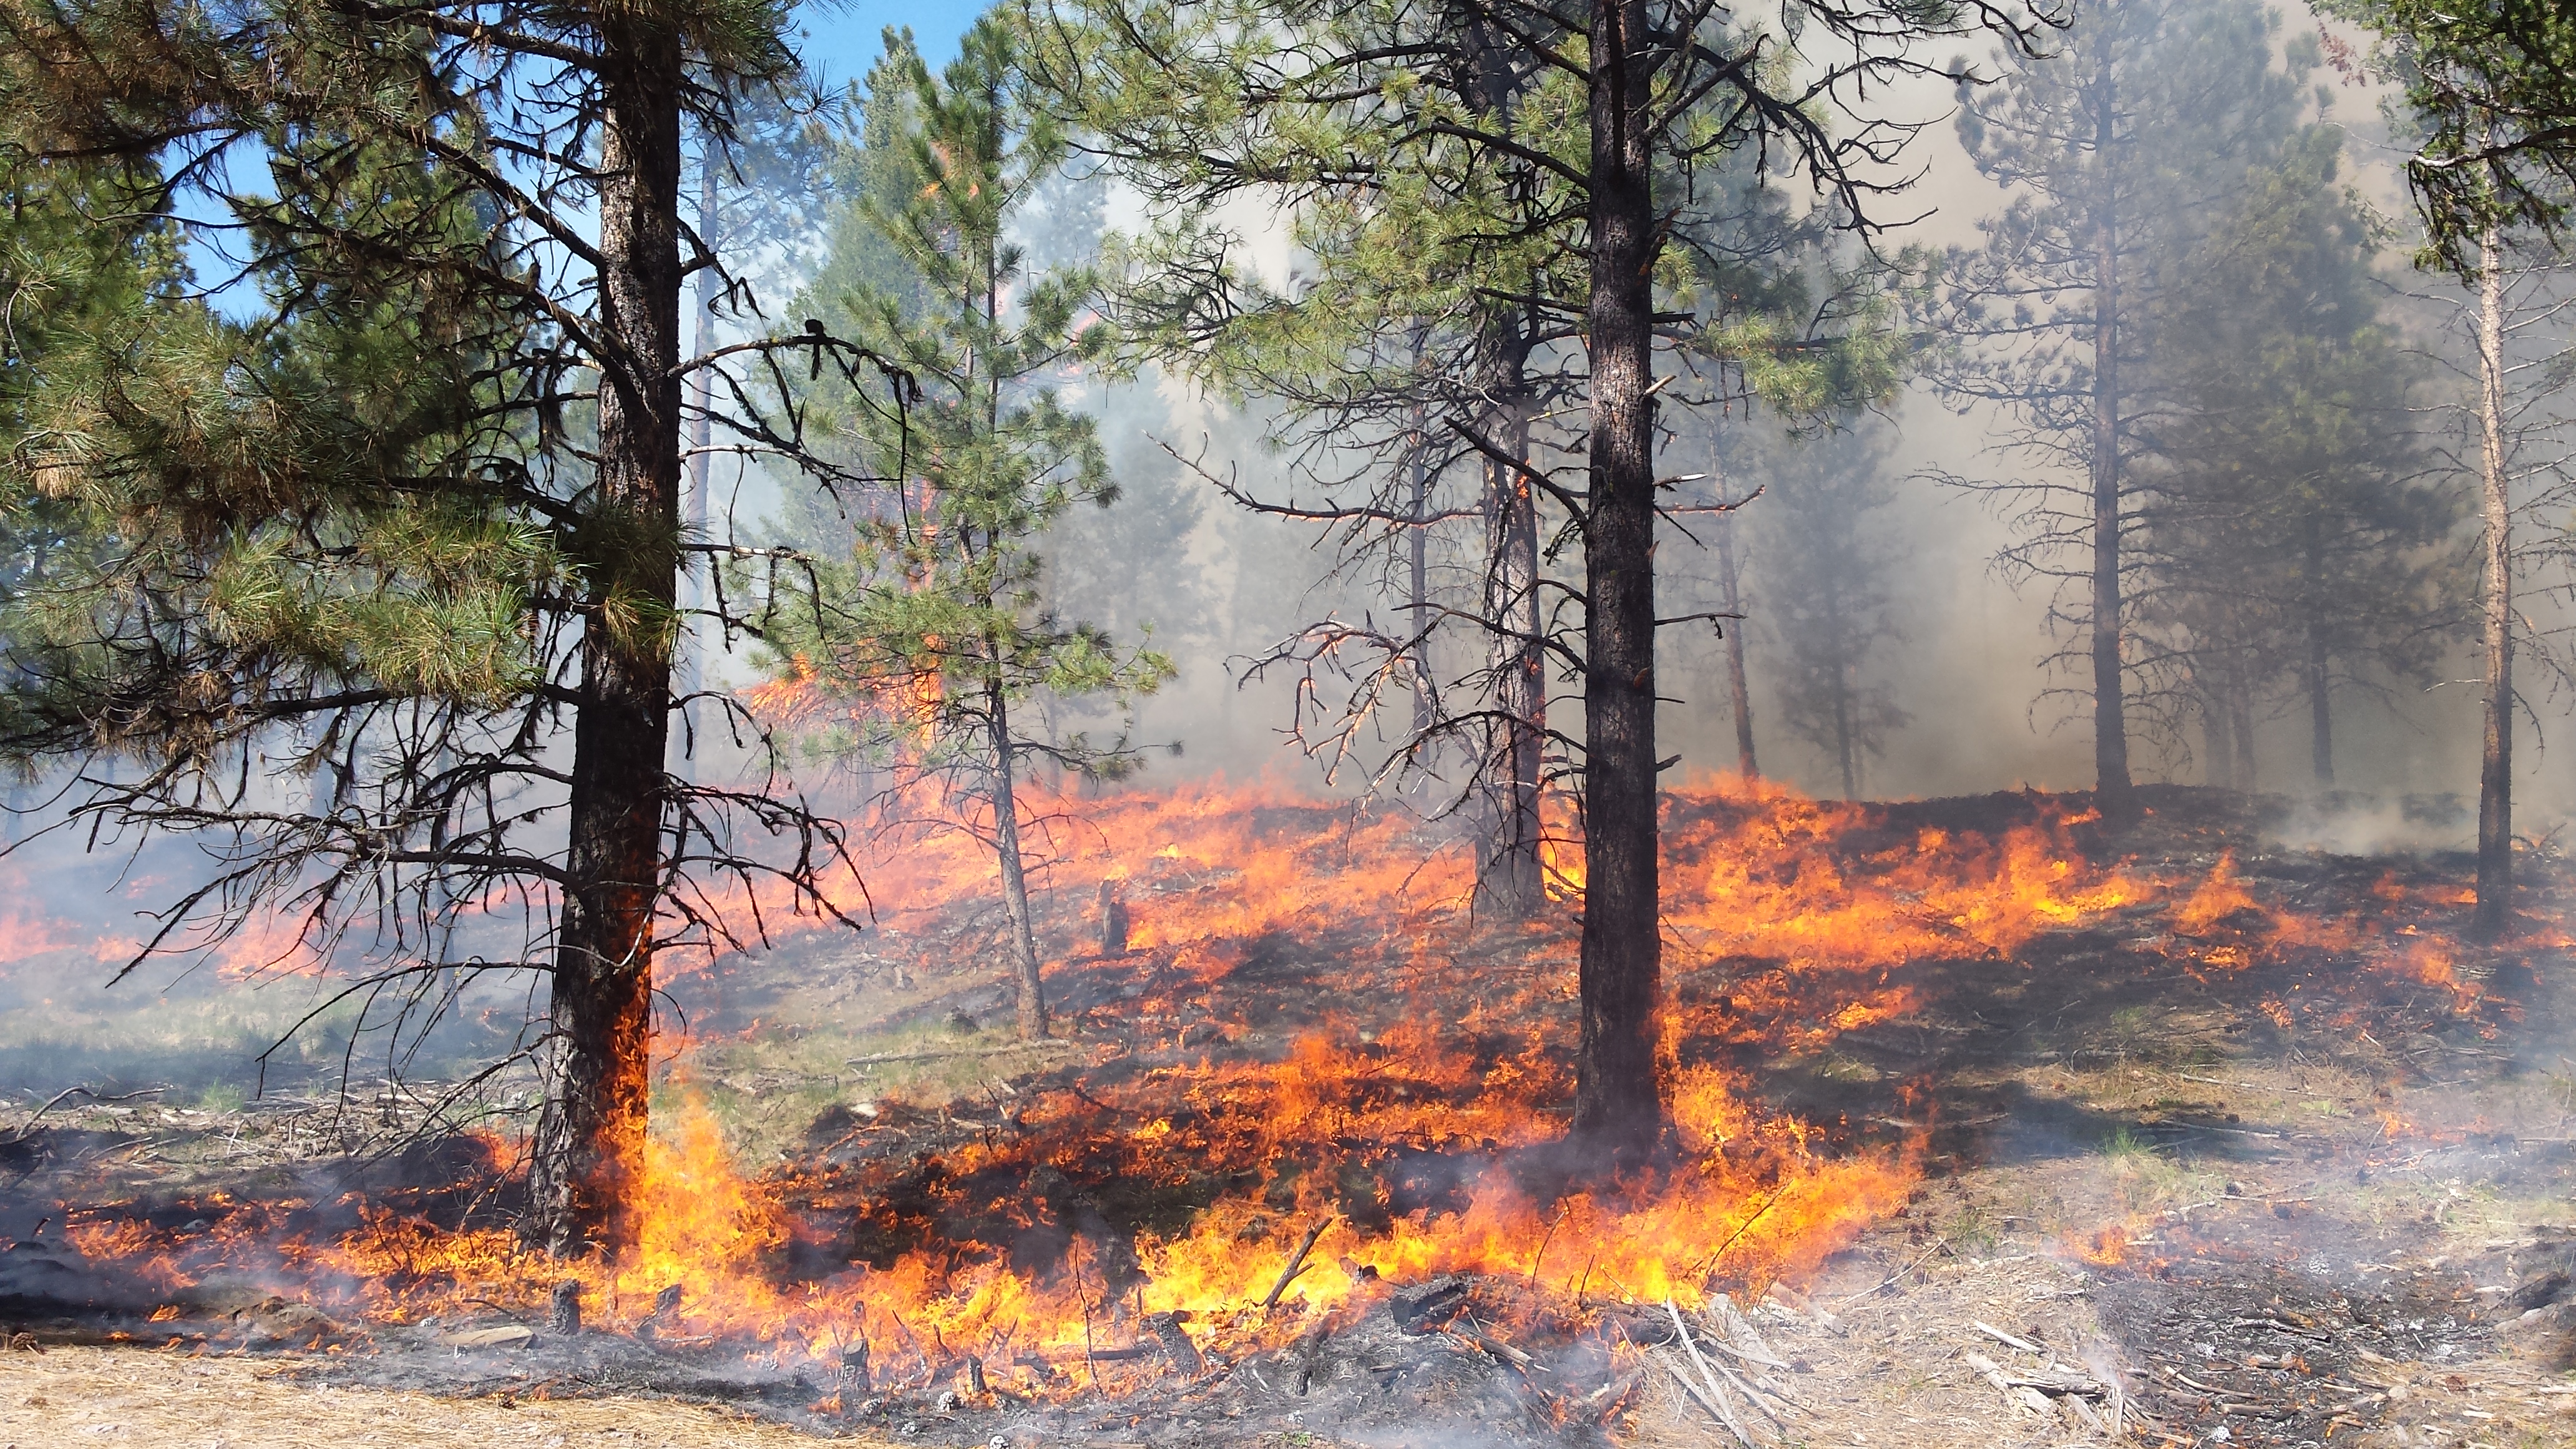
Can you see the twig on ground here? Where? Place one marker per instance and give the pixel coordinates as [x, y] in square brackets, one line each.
[1296, 1262]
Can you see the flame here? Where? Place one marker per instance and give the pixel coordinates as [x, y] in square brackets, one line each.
[1388, 1124]
[2107, 1248]
[2219, 897]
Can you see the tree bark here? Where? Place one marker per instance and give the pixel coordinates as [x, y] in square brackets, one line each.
[1619, 1111]
[2110, 724]
[1022, 944]
[588, 1151]
[2495, 768]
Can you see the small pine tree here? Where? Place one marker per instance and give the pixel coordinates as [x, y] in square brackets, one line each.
[935, 632]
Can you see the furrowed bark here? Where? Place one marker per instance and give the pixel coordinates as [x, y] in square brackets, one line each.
[1022, 944]
[1618, 1095]
[588, 1152]
[2110, 724]
[2495, 767]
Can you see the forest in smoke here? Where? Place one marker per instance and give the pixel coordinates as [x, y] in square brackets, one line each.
[1907, 569]
[499, 496]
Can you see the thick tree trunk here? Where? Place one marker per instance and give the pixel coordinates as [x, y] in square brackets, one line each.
[589, 1143]
[1022, 944]
[1739, 690]
[2495, 768]
[2110, 723]
[1513, 871]
[1619, 1096]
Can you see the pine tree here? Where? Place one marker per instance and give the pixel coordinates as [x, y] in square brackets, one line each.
[416, 518]
[936, 635]
[2144, 116]
[1314, 109]
[2299, 516]
[1827, 602]
[2491, 89]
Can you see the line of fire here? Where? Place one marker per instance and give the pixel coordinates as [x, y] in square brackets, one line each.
[1404, 724]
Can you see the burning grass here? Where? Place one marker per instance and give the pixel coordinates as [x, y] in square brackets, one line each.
[1313, 1055]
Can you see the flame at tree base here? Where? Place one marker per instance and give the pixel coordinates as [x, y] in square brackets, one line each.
[1399, 1124]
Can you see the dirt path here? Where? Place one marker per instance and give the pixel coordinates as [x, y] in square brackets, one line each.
[122, 1398]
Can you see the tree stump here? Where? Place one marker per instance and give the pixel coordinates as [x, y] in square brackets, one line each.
[1167, 1330]
[563, 1314]
[1113, 920]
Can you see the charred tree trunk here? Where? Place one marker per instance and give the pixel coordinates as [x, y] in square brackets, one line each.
[1022, 944]
[589, 1143]
[2110, 723]
[1739, 690]
[2495, 768]
[1618, 1095]
[1513, 870]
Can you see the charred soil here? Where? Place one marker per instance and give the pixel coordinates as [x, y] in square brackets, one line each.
[1999, 1126]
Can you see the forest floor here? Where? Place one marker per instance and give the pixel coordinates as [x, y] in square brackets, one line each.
[2247, 1194]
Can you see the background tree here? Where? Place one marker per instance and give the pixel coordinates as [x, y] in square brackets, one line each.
[2298, 517]
[936, 630]
[1303, 108]
[1826, 567]
[2489, 98]
[2144, 116]
[416, 514]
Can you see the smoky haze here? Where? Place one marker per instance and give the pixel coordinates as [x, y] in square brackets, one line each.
[1955, 671]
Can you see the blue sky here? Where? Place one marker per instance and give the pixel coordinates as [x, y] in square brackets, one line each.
[842, 40]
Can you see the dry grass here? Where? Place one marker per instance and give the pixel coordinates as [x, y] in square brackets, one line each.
[106, 1398]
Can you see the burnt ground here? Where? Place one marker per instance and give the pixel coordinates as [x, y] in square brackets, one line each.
[2174, 1186]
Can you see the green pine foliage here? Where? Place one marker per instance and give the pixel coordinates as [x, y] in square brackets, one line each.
[941, 603]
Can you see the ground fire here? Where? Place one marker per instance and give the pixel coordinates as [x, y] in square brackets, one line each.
[1311, 1100]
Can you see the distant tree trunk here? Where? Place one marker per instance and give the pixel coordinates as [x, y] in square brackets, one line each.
[2110, 725]
[2495, 768]
[1022, 945]
[2319, 671]
[1619, 1096]
[1843, 690]
[588, 1150]
[1739, 693]
[2240, 709]
[1512, 870]
[2218, 745]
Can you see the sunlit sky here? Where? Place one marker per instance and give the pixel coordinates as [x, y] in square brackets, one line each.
[843, 40]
